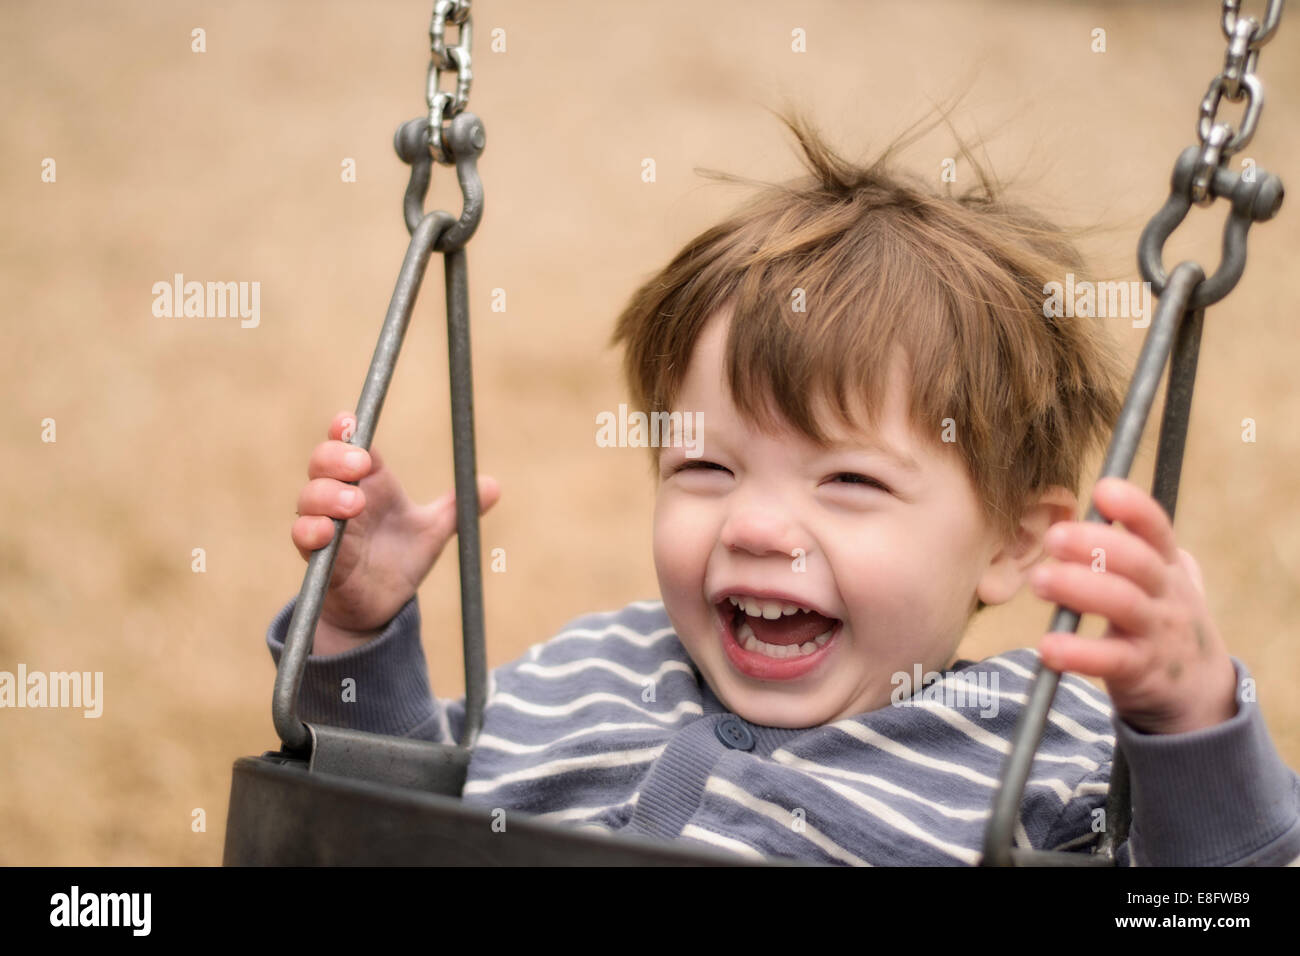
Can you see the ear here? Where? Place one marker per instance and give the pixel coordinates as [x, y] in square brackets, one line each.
[1012, 560]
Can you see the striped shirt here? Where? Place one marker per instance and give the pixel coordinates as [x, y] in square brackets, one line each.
[609, 725]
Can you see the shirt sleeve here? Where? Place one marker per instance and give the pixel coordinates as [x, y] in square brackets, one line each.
[1218, 796]
[390, 693]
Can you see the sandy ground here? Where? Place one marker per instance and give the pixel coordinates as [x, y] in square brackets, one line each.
[176, 434]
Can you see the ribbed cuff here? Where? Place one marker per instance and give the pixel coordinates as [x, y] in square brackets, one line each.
[391, 689]
[1211, 797]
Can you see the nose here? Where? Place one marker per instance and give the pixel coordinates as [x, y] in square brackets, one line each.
[760, 529]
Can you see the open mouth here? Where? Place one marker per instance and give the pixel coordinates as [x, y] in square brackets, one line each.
[796, 633]
[770, 640]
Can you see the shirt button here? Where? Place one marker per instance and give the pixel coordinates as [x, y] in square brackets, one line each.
[733, 733]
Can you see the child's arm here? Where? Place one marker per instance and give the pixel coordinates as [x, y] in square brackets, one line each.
[381, 686]
[1208, 786]
[1216, 796]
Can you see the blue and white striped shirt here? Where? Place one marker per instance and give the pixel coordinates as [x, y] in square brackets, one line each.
[610, 725]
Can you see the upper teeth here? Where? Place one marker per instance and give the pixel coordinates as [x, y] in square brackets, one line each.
[766, 609]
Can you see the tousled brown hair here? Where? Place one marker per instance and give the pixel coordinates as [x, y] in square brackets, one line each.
[888, 262]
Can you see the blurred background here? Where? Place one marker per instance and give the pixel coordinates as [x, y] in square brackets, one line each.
[182, 433]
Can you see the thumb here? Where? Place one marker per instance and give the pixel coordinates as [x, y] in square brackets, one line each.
[439, 515]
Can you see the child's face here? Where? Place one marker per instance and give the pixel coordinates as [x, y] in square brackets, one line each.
[899, 569]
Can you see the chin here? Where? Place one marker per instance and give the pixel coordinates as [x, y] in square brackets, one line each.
[792, 715]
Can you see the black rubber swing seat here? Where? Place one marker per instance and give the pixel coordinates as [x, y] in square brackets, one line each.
[282, 814]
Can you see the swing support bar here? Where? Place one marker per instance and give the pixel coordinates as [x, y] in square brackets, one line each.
[436, 767]
[1175, 330]
[1119, 459]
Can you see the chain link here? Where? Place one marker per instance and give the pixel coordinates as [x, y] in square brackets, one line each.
[1236, 81]
[1241, 57]
[1272, 16]
[444, 104]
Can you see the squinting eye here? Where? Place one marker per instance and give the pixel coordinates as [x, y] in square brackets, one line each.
[698, 464]
[856, 479]
[849, 477]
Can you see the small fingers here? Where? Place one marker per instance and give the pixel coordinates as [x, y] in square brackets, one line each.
[338, 460]
[332, 498]
[1108, 658]
[311, 533]
[343, 426]
[1111, 596]
[1122, 501]
[1105, 549]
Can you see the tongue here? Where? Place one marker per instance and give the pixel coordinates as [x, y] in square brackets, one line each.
[798, 628]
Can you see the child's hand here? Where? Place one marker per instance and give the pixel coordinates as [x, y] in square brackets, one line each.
[1165, 665]
[389, 543]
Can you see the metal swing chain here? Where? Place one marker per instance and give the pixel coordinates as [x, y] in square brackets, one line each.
[1236, 80]
[418, 142]
[1200, 176]
[443, 104]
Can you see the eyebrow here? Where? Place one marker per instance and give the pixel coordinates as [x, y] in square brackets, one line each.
[671, 436]
[902, 460]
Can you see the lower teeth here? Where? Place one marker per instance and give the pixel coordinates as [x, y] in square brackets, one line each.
[746, 639]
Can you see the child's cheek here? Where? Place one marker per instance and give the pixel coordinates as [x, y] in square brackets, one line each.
[672, 552]
[683, 542]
